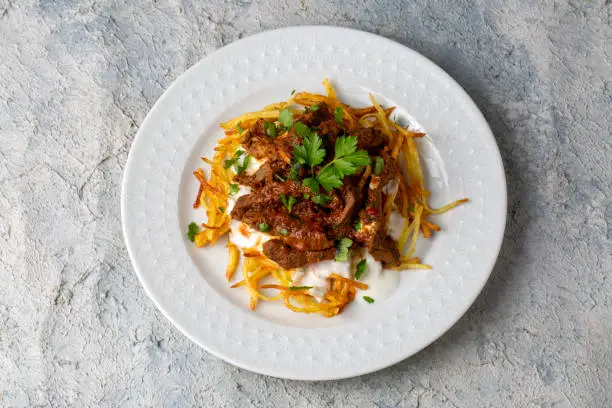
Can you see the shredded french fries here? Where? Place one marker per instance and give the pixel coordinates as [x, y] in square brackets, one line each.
[262, 276]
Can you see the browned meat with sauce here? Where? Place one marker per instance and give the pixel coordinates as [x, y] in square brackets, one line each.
[342, 206]
[371, 216]
[272, 170]
[370, 139]
[303, 234]
[307, 232]
[257, 143]
[307, 210]
[390, 170]
[288, 257]
[314, 117]
[267, 195]
[330, 129]
[384, 249]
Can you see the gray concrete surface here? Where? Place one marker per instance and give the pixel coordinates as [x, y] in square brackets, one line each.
[76, 80]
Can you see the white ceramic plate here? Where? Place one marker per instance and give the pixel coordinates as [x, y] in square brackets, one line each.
[188, 285]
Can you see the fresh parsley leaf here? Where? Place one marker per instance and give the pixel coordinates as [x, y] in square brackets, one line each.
[285, 117]
[222, 209]
[338, 115]
[343, 249]
[299, 287]
[292, 200]
[240, 168]
[358, 226]
[310, 151]
[329, 179]
[234, 188]
[229, 163]
[379, 165]
[345, 145]
[347, 160]
[312, 184]
[302, 130]
[270, 129]
[361, 268]
[288, 201]
[283, 231]
[410, 208]
[293, 92]
[314, 108]
[263, 227]
[368, 299]
[349, 164]
[192, 230]
[321, 199]
[239, 128]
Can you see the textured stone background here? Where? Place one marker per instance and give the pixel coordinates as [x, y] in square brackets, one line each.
[76, 80]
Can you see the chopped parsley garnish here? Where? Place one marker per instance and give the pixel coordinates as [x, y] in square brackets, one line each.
[240, 168]
[321, 199]
[379, 165]
[222, 209]
[299, 287]
[192, 230]
[263, 227]
[338, 115]
[234, 188]
[285, 117]
[343, 249]
[229, 163]
[329, 179]
[293, 92]
[368, 299]
[312, 184]
[361, 268]
[314, 108]
[270, 129]
[358, 226]
[283, 231]
[347, 159]
[288, 201]
[310, 152]
[306, 196]
[239, 128]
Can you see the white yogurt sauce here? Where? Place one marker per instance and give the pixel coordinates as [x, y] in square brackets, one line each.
[395, 225]
[245, 237]
[317, 276]
[380, 283]
[254, 165]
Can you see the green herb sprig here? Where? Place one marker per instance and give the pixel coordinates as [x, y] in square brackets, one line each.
[361, 268]
[347, 159]
[343, 249]
[192, 230]
[288, 201]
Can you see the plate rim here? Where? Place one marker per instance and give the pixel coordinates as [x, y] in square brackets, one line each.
[373, 367]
